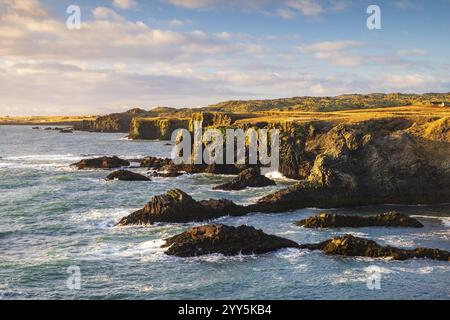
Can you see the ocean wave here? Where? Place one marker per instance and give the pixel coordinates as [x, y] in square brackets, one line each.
[102, 219]
[44, 157]
[218, 258]
[445, 220]
[54, 166]
[278, 176]
[292, 254]
[149, 250]
[398, 241]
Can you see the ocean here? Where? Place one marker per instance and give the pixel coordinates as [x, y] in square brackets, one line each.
[53, 217]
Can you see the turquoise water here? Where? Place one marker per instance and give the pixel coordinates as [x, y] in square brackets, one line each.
[53, 217]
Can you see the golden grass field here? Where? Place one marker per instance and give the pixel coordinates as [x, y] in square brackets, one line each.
[415, 111]
[41, 120]
[351, 115]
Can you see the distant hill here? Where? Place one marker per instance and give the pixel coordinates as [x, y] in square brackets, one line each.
[342, 102]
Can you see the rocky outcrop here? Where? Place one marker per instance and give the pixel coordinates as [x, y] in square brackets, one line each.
[166, 166]
[178, 207]
[156, 128]
[367, 163]
[225, 240]
[217, 119]
[155, 163]
[389, 219]
[351, 246]
[101, 163]
[116, 122]
[125, 175]
[249, 178]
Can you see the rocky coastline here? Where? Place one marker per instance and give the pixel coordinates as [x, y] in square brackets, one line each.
[337, 164]
[245, 240]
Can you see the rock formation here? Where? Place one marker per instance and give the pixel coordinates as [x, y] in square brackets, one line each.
[389, 219]
[178, 207]
[155, 163]
[125, 175]
[249, 178]
[367, 163]
[351, 246]
[101, 163]
[225, 240]
[155, 128]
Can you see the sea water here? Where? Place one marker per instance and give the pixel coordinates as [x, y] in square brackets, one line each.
[53, 217]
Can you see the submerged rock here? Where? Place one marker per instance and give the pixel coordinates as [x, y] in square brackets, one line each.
[389, 219]
[225, 240]
[125, 175]
[101, 163]
[249, 178]
[178, 207]
[352, 246]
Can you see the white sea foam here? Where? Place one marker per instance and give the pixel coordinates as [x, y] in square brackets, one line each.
[102, 219]
[220, 258]
[44, 157]
[148, 250]
[291, 254]
[398, 241]
[444, 220]
[275, 175]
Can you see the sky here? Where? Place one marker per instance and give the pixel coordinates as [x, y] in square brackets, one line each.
[191, 53]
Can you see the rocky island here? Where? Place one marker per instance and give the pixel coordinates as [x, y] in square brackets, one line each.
[388, 219]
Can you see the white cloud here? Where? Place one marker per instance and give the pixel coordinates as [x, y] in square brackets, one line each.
[287, 9]
[125, 4]
[286, 13]
[306, 7]
[194, 4]
[330, 46]
[179, 23]
[412, 52]
[113, 62]
[103, 13]
[404, 4]
[336, 52]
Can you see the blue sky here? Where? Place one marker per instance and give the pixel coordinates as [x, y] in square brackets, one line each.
[188, 53]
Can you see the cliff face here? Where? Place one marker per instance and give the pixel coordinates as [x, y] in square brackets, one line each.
[156, 128]
[162, 127]
[116, 122]
[217, 119]
[367, 162]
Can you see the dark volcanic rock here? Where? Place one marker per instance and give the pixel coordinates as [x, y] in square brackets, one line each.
[155, 163]
[250, 178]
[101, 163]
[370, 162]
[226, 240]
[351, 246]
[178, 207]
[167, 172]
[125, 175]
[389, 219]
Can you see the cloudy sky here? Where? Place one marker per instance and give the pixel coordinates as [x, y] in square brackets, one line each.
[187, 53]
